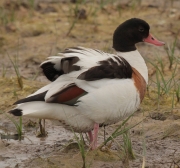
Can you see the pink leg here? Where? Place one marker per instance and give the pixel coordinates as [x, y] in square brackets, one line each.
[95, 136]
[90, 137]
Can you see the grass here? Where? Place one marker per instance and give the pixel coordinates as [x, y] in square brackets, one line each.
[127, 145]
[166, 81]
[91, 11]
[6, 16]
[177, 91]
[4, 70]
[74, 14]
[120, 130]
[31, 4]
[126, 150]
[81, 145]
[17, 125]
[170, 50]
[3, 17]
[165, 85]
[160, 62]
[16, 69]
[103, 3]
[144, 148]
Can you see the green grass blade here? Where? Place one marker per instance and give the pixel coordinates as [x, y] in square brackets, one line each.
[18, 127]
[20, 82]
[117, 133]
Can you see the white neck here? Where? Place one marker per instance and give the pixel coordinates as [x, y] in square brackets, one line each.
[136, 61]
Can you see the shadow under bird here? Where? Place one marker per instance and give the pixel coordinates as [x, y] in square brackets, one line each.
[90, 88]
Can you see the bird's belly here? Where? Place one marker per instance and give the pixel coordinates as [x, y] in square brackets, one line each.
[111, 104]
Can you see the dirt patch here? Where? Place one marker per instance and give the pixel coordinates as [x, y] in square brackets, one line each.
[30, 33]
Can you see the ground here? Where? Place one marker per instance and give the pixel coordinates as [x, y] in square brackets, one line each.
[33, 30]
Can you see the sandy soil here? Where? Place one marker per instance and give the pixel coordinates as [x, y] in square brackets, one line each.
[31, 33]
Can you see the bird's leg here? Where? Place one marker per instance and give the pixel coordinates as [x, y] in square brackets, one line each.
[40, 126]
[95, 136]
[90, 137]
[104, 133]
[44, 131]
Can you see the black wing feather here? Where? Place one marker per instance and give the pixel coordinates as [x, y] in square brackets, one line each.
[50, 72]
[66, 64]
[108, 69]
[37, 97]
[16, 112]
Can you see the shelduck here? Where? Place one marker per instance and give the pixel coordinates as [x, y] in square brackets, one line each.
[90, 88]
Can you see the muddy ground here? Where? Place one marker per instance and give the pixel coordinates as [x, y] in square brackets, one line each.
[34, 30]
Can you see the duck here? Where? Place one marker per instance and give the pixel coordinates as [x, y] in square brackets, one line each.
[90, 88]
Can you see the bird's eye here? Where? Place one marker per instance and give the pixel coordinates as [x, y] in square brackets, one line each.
[141, 29]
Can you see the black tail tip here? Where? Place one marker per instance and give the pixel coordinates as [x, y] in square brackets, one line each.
[16, 112]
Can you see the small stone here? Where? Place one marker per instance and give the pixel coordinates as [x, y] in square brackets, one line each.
[158, 116]
[81, 14]
[176, 117]
[10, 28]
